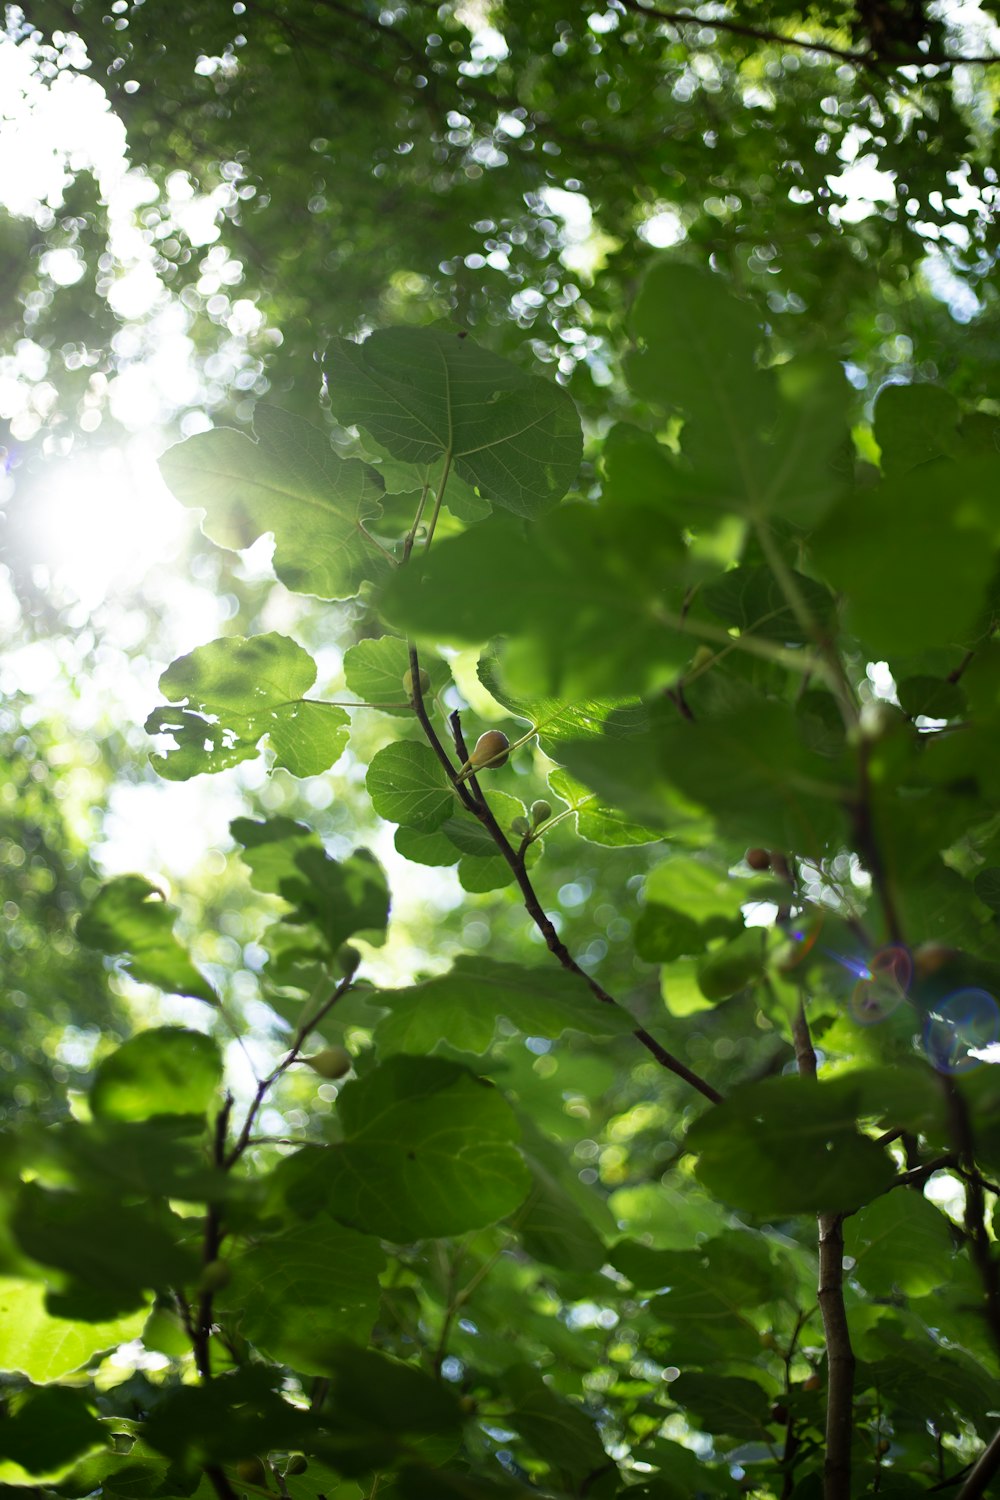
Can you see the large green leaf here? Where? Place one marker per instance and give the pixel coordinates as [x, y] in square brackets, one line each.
[45, 1348]
[913, 556]
[115, 1250]
[556, 1430]
[759, 441]
[129, 915]
[407, 784]
[221, 1421]
[789, 1146]
[375, 669]
[914, 424]
[428, 1150]
[463, 1007]
[900, 1243]
[164, 1071]
[556, 719]
[225, 696]
[291, 483]
[728, 1404]
[598, 821]
[592, 600]
[338, 898]
[298, 1294]
[43, 1431]
[751, 600]
[430, 395]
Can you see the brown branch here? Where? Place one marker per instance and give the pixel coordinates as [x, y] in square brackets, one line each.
[866, 59]
[220, 1484]
[309, 1024]
[478, 805]
[201, 1329]
[839, 1360]
[980, 1246]
[983, 1470]
[839, 1354]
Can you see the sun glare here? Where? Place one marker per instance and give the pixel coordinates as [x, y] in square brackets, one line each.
[98, 523]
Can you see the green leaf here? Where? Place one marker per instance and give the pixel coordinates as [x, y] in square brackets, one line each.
[225, 696]
[591, 599]
[913, 556]
[597, 821]
[464, 1005]
[751, 601]
[428, 1150]
[930, 696]
[338, 898]
[163, 1071]
[759, 441]
[115, 1250]
[551, 1225]
[557, 1431]
[300, 1293]
[221, 1421]
[900, 1243]
[45, 1348]
[727, 1404]
[914, 424]
[789, 1146]
[291, 483]
[129, 915]
[374, 669]
[682, 895]
[379, 1409]
[726, 970]
[407, 784]
[428, 393]
[557, 719]
[987, 887]
[44, 1430]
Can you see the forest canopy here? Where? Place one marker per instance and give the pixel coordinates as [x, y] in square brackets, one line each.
[499, 812]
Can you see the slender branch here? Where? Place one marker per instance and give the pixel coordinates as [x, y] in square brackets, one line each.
[983, 1470]
[312, 1020]
[764, 34]
[839, 1354]
[839, 1360]
[481, 809]
[201, 1329]
[867, 846]
[980, 1246]
[220, 1484]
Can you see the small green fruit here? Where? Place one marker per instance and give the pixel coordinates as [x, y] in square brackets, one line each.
[348, 959]
[252, 1471]
[490, 750]
[297, 1463]
[541, 812]
[214, 1276]
[424, 680]
[331, 1062]
[520, 826]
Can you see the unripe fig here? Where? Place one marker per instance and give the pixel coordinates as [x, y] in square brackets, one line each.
[348, 959]
[252, 1471]
[424, 680]
[214, 1276]
[297, 1463]
[701, 657]
[758, 859]
[779, 1413]
[811, 1383]
[520, 826]
[882, 1446]
[490, 750]
[331, 1062]
[929, 958]
[541, 812]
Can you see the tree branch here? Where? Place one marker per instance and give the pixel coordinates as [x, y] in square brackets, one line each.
[478, 805]
[764, 34]
[839, 1354]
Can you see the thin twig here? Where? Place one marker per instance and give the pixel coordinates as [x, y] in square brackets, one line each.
[983, 1470]
[309, 1024]
[763, 34]
[978, 1236]
[480, 808]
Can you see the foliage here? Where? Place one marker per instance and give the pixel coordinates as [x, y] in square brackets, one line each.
[661, 1160]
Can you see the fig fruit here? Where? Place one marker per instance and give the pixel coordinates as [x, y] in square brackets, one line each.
[330, 1062]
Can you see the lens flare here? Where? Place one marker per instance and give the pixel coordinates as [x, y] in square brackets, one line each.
[959, 1029]
[874, 1000]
